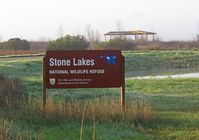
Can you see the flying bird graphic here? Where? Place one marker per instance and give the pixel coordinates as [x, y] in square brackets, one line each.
[111, 60]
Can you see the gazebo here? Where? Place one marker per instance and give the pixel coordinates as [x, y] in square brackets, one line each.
[137, 35]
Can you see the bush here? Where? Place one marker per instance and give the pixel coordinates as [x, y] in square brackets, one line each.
[122, 44]
[117, 44]
[100, 46]
[125, 44]
[169, 45]
[1, 46]
[11, 92]
[15, 44]
[69, 43]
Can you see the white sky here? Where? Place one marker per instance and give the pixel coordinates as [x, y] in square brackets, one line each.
[36, 19]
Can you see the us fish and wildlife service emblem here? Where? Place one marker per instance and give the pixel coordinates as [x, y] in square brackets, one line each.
[52, 81]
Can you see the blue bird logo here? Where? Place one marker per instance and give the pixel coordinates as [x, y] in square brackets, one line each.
[111, 60]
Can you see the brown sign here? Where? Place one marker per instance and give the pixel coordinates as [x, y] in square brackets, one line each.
[83, 69]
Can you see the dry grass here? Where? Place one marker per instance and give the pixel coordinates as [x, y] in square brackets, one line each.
[5, 129]
[89, 111]
[16, 52]
[8, 131]
[98, 110]
[12, 93]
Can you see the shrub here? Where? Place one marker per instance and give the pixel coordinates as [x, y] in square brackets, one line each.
[16, 44]
[122, 44]
[169, 45]
[1, 46]
[100, 46]
[117, 44]
[69, 43]
[11, 92]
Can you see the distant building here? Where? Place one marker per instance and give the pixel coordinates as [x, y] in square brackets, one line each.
[135, 35]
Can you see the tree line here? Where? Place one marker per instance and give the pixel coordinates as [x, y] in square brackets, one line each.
[79, 42]
[69, 42]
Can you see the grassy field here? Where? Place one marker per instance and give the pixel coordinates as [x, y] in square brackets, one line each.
[161, 62]
[172, 105]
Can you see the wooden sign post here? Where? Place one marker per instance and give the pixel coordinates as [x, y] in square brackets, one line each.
[122, 92]
[44, 84]
[84, 69]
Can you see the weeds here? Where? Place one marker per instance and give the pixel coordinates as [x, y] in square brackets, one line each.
[12, 93]
[9, 131]
[92, 112]
[5, 128]
[98, 110]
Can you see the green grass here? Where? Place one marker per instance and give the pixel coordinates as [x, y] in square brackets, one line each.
[175, 101]
[161, 62]
[164, 86]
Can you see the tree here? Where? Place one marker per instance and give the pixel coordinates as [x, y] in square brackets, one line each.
[93, 37]
[69, 43]
[16, 44]
[97, 36]
[1, 46]
[60, 31]
[197, 37]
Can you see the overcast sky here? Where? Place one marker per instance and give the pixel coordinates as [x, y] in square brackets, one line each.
[36, 19]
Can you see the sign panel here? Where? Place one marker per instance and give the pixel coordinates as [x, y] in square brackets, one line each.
[83, 69]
